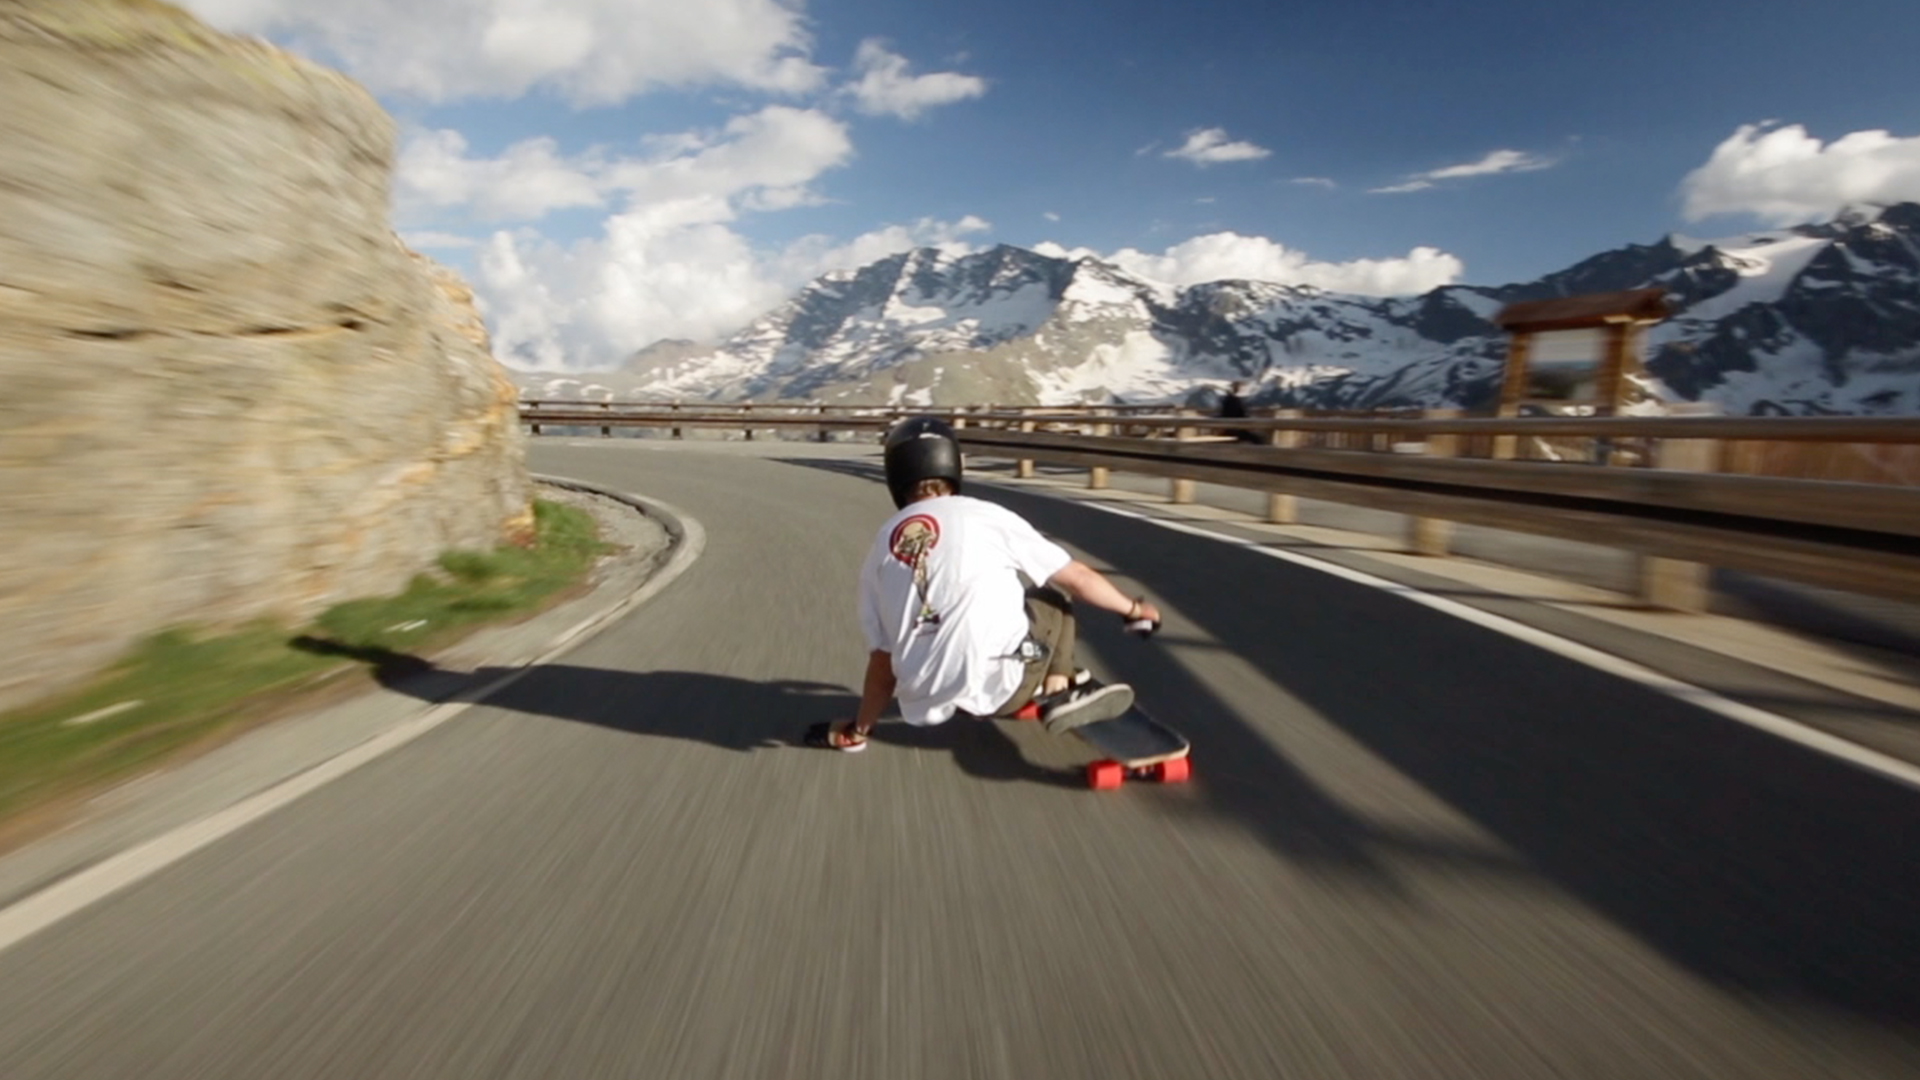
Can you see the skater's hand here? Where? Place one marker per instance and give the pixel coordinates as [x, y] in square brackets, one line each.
[1142, 611]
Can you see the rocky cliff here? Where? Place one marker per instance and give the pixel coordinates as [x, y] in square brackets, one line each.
[226, 390]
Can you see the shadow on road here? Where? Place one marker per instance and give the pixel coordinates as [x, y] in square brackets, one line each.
[1769, 869]
[733, 714]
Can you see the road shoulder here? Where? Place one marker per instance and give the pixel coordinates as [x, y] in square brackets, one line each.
[655, 543]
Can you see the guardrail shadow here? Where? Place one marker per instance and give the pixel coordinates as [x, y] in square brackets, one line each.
[1761, 866]
[1754, 862]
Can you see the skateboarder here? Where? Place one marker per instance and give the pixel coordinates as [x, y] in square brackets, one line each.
[966, 608]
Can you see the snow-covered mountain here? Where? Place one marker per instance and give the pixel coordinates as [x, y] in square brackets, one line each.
[1821, 318]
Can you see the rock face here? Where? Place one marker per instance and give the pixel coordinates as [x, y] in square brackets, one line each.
[226, 390]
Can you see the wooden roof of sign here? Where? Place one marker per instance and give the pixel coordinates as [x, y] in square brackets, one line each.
[1584, 312]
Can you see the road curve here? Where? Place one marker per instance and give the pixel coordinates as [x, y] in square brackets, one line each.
[1414, 849]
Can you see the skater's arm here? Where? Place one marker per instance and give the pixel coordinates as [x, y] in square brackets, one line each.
[875, 692]
[1084, 583]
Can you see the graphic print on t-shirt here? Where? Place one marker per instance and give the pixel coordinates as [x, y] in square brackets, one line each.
[912, 542]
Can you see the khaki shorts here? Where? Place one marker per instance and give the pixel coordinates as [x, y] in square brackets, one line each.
[1051, 614]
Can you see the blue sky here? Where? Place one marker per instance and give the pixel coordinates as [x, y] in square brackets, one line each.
[609, 172]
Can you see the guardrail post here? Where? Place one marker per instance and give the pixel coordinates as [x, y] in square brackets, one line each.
[1099, 476]
[746, 418]
[674, 408]
[1024, 470]
[606, 431]
[1179, 490]
[1425, 535]
[823, 436]
[1284, 509]
[1675, 584]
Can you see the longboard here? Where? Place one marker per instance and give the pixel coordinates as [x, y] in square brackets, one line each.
[1133, 746]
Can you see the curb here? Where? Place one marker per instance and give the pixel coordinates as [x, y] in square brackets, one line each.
[689, 542]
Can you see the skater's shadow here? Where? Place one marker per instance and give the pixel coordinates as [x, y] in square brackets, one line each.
[980, 748]
[733, 714]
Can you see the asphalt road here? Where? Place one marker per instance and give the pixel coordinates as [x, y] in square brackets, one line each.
[1414, 848]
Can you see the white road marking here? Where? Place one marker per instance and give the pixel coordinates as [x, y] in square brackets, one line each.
[1884, 765]
[55, 902]
[98, 715]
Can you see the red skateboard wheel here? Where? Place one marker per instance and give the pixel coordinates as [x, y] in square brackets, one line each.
[1105, 775]
[1173, 772]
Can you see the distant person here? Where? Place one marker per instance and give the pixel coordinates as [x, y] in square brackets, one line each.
[1234, 407]
[967, 610]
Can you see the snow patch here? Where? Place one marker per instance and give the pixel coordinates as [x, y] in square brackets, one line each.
[1766, 268]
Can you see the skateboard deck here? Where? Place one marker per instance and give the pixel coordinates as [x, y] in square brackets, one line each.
[1134, 746]
[1134, 739]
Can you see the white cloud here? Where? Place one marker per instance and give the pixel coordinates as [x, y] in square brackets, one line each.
[592, 52]
[1224, 256]
[809, 257]
[1051, 216]
[885, 89]
[653, 275]
[1783, 175]
[1499, 161]
[527, 182]
[1209, 146]
[1495, 163]
[668, 261]
[763, 159]
[1315, 181]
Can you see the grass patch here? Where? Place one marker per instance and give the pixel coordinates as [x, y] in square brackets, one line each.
[182, 688]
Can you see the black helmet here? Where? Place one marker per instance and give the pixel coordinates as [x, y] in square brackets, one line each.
[920, 448]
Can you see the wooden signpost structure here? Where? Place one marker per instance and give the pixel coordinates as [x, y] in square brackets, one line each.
[1620, 316]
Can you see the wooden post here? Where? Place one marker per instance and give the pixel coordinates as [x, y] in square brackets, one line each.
[1425, 535]
[1675, 584]
[1024, 470]
[606, 431]
[1284, 509]
[746, 417]
[823, 436]
[1615, 362]
[1514, 384]
[1180, 490]
[674, 408]
[1098, 475]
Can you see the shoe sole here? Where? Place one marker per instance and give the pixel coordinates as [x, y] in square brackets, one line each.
[1108, 703]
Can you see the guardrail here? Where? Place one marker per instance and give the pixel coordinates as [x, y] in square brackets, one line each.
[1648, 485]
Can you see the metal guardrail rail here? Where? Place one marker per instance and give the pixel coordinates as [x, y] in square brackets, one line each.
[1675, 511]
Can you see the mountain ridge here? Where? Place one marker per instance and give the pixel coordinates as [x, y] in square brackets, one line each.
[1820, 318]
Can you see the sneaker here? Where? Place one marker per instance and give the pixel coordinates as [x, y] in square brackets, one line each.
[1086, 704]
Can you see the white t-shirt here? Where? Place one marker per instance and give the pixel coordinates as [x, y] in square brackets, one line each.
[941, 593]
